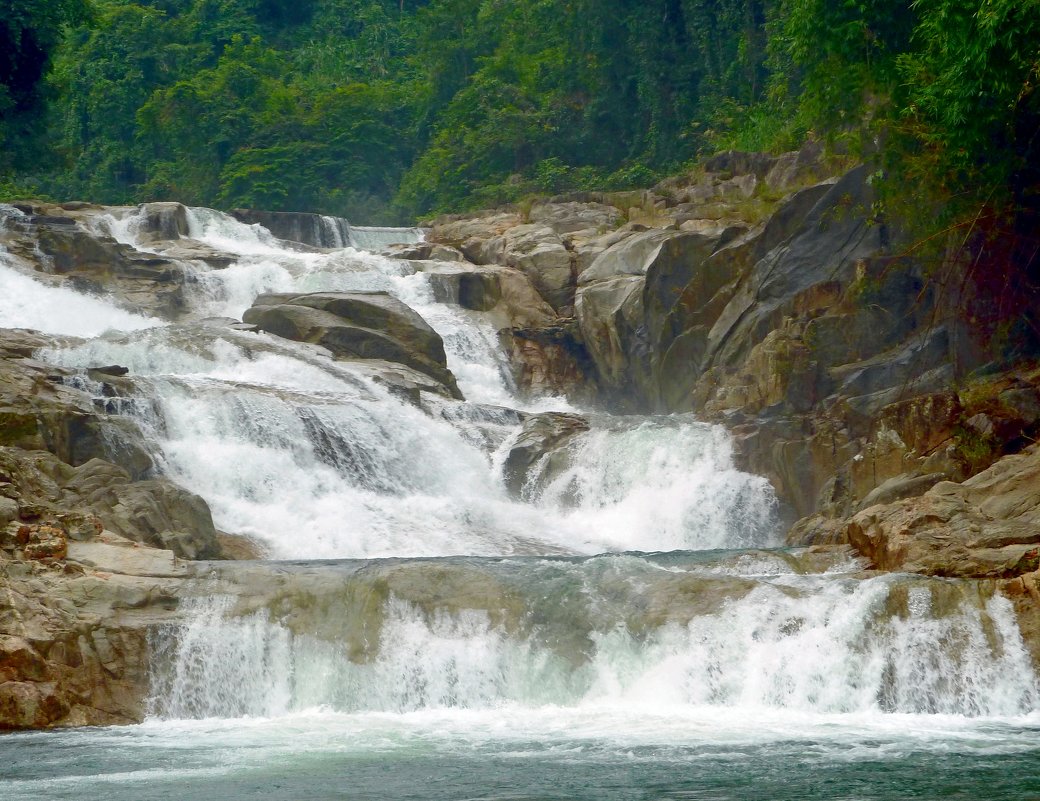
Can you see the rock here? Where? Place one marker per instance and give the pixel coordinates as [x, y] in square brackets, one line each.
[505, 293]
[631, 255]
[46, 542]
[540, 436]
[356, 325]
[25, 705]
[610, 315]
[568, 217]
[985, 527]
[797, 168]
[110, 370]
[902, 486]
[8, 511]
[41, 410]
[424, 251]
[552, 360]
[156, 511]
[454, 230]
[164, 221]
[738, 162]
[308, 229]
[535, 250]
[478, 288]
[80, 502]
[19, 660]
[144, 282]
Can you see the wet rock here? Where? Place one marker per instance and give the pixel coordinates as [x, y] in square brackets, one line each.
[505, 293]
[541, 435]
[303, 227]
[552, 360]
[610, 314]
[165, 221]
[81, 502]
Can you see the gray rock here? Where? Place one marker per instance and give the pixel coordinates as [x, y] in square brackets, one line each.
[356, 325]
[541, 435]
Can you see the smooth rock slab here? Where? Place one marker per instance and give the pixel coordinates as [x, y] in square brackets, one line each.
[356, 325]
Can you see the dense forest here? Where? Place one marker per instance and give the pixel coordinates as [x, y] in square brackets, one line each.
[389, 109]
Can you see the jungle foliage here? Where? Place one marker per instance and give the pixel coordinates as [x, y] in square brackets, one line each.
[385, 109]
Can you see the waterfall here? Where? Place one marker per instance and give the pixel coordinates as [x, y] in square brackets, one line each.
[29, 303]
[626, 604]
[785, 642]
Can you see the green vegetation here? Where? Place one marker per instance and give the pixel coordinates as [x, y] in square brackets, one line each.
[386, 109]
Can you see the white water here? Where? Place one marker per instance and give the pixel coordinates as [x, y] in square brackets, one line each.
[26, 303]
[314, 460]
[805, 645]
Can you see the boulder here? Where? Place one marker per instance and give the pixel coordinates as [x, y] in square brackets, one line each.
[505, 293]
[164, 221]
[541, 435]
[60, 502]
[568, 217]
[148, 284]
[40, 409]
[356, 325]
[985, 527]
[612, 322]
[630, 255]
[302, 227]
[552, 360]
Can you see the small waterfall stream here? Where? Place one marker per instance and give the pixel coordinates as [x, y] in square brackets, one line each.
[625, 610]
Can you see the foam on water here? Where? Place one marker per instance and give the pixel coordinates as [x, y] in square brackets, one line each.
[25, 303]
[810, 647]
[315, 461]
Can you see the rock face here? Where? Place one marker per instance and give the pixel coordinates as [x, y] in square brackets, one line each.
[308, 229]
[356, 325]
[81, 501]
[987, 526]
[73, 631]
[40, 409]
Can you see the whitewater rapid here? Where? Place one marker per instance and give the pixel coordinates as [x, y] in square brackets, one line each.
[616, 632]
[313, 458]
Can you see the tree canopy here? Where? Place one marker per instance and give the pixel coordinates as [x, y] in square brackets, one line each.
[385, 109]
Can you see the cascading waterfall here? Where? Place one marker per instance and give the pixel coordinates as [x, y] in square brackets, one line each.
[29, 303]
[539, 635]
[312, 459]
[800, 643]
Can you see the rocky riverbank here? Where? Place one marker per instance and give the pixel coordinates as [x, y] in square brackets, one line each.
[763, 293]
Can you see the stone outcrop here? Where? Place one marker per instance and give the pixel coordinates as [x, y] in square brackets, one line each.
[42, 409]
[356, 325]
[41, 490]
[542, 437]
[308, 229]
[985, 527]
[73, 631]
